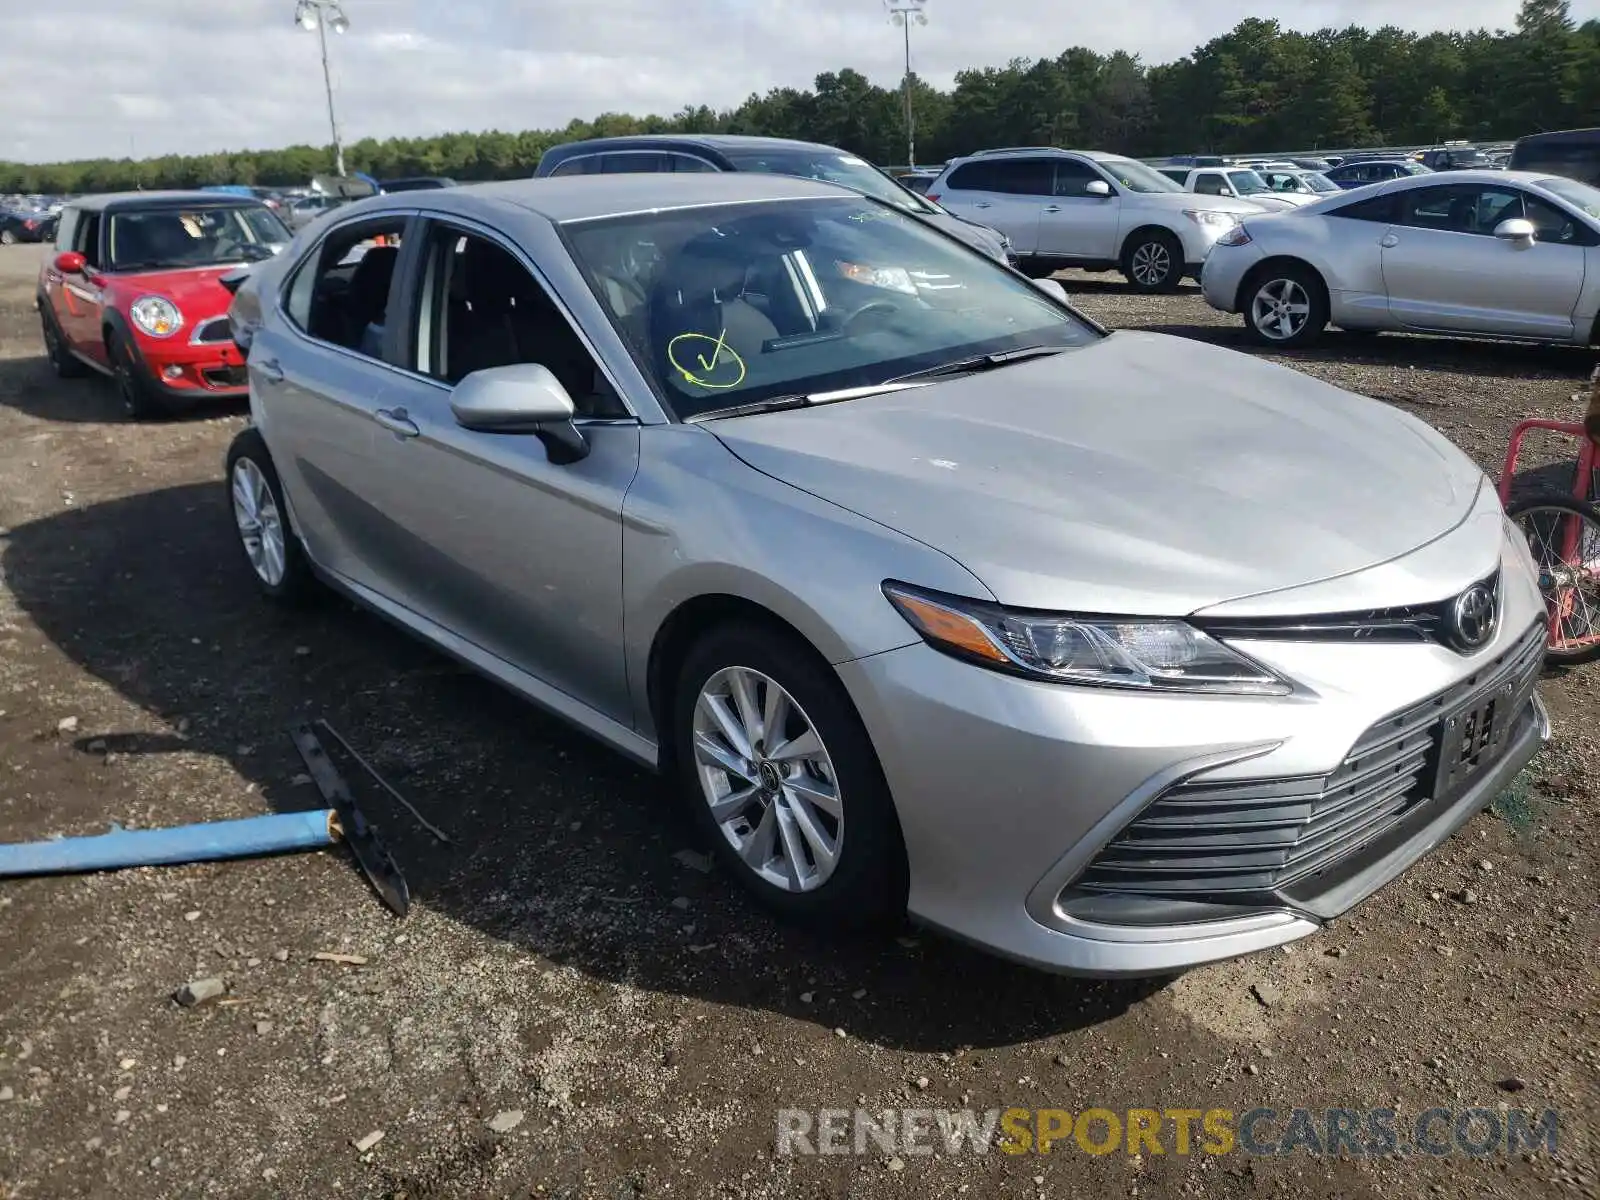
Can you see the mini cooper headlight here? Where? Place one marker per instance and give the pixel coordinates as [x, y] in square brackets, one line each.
[156, 316]
[1120, 652]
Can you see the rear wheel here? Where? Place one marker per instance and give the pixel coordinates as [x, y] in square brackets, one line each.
[133, 391]
[1153, 261]
[782, 779]
[1286, 306]
[1564, 535]
[62, 361]
[271, 550]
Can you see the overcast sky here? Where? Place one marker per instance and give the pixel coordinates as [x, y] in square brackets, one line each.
[92, 78]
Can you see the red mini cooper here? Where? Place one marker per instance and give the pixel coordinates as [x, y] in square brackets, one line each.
[133, 292]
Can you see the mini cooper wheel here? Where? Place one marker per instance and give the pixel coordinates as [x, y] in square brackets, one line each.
[270, 548]
[783, 781]
[1286, 306]
[61, 359]
[1153, 262]
[138, 402]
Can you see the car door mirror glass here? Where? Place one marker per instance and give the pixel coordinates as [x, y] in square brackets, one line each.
[1515, 229]
[520, 398]
[1097, 187]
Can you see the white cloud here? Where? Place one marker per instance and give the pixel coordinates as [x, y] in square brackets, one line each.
[86, 78]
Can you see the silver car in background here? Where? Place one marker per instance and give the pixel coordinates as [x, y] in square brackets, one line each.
[1114, 654]
[1485, 253]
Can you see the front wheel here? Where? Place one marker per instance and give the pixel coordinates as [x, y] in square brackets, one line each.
[783, 781]
[1564, 535]
[1153, 262]
[1286, 306]
[138, 400]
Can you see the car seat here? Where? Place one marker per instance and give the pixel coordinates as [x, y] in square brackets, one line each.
[702, 292]
[366, 301]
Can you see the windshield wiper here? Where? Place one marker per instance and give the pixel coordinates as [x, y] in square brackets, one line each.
[981, 362]
[770, 404]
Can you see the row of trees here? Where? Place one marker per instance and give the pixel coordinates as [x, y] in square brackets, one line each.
[1259, 87]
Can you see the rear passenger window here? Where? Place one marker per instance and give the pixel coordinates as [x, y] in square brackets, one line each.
[633, 163]
[689, 163]
[1025, 177]
[340, 293]
[575, 166]
[88, 239]
[480, 308]
[1377, 208]
[67, 227]
[972, 177]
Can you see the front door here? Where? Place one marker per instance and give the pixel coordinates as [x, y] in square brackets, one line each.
[79, 309]
[1076, 224]
[520, 556]
[1444, 269]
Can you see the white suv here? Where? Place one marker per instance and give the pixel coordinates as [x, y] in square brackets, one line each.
[1069, 208]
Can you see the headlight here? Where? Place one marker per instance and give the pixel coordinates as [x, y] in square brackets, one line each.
[1118, 652]
[156, 315]
[1207, 216]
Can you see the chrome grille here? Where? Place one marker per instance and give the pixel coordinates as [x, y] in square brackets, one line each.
[1227, 841]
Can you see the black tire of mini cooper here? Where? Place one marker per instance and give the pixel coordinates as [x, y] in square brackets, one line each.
[866, 891]
[133, 392]
[1144, 252]
[248, 455]
[1589, 515]
[61, 359]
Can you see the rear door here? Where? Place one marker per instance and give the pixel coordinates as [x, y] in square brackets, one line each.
[1075, 224]
[1445, 270]
[1008, 194]
[322, 366]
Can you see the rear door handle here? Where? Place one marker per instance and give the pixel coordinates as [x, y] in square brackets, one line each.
[396, 422]
[270, 370]
[1052, 208]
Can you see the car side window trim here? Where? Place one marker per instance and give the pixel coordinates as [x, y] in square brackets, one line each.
[590, 155]
[413, 298]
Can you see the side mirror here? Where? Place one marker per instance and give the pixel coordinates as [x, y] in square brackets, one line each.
[521, 398]
[1516, 230]
[1097, 187]
[1052, 288]
[70, 262]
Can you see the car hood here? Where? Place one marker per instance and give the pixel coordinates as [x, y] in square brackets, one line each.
[979, 237]
[1141, 474]
[197, 292]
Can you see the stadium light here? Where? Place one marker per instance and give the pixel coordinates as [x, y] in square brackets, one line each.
[323, 15]
[905, 13]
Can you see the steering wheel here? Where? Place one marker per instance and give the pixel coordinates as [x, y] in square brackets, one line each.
[871, 306]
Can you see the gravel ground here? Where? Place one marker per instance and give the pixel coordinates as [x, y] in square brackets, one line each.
[563, 963]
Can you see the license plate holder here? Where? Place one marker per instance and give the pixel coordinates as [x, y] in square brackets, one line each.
[1474, 738]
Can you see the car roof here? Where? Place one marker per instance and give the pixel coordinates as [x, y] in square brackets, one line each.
[565, 198]
[158, 200]
[698, 141]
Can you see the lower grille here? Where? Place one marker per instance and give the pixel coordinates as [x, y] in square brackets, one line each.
[1235, 842]
[225, 377]
[217, 329]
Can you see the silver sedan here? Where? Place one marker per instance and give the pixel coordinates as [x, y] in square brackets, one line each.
[1480, 253]
[1114, 654]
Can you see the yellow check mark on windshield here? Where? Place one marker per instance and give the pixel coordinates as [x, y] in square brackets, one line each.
[716, 353]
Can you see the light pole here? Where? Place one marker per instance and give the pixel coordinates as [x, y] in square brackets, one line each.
[323, 15]
[903, 13]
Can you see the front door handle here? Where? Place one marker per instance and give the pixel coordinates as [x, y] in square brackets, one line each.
[1052, 208]
[396, 422]
[270, 370]
[1389, 241]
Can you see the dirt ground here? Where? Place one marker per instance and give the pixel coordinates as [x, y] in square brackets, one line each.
[561, 961]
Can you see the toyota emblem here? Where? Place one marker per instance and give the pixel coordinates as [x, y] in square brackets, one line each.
[1474, 617]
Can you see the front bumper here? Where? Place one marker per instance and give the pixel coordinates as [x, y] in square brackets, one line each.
[1224, 274]
[185, 372]
[1008, 790]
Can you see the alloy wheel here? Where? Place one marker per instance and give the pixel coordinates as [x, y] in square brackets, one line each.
[260, 524]
[1151, 264]
[768, 779]
[1280, 309]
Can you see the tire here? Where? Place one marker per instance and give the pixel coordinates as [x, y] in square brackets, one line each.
[1583, 579]
[61, 359]
[866, 887]
[139, 402]
[7, 238]
[1153, 262]
[255, 499]
[1291, 291]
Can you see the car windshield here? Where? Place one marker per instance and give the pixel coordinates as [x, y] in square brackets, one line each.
[1137, 177]
[1317, 181]
[1415, 168]
[1247, 182]
[832, 166]
[1582, 196]
[728, 306]
[158, 238]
